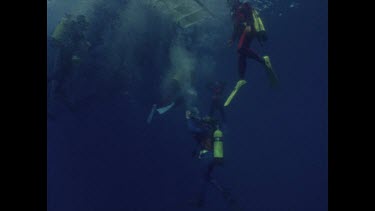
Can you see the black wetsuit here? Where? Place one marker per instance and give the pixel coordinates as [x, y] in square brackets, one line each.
[203, 133]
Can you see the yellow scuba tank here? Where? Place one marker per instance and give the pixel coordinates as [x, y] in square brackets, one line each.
[259, 27]
[218, 144]
[258, 23]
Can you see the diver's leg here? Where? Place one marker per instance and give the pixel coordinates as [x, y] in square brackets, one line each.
[251, 54]
[247, 51]
[206, 168]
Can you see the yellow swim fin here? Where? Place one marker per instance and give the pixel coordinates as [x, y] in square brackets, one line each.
[270, 73]
[239, 84]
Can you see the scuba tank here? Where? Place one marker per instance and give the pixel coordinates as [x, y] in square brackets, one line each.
[259, 27]
[218, 144]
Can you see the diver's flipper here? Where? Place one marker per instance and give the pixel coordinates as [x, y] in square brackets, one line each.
[149, 119]
[270, 73]
[165, 109]
[239, 84]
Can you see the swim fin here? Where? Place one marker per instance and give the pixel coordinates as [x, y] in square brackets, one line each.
[165, 109]
[149, 119]
[239, 84]
[270, 73]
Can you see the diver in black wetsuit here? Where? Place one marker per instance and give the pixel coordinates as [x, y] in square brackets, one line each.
[206, 131]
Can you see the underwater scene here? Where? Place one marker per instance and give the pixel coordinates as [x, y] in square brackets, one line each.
[183, 105]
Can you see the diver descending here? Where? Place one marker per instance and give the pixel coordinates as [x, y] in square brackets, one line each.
[209, 151]
[247, 25]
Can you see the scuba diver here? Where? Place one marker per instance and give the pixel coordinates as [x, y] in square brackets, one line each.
[217, 89]
[209, 152]
[247, 26]
[69, 39]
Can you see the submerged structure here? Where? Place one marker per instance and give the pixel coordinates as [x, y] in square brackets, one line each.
[185, 13]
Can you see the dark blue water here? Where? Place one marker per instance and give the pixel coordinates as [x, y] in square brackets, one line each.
[104, 156]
